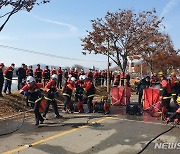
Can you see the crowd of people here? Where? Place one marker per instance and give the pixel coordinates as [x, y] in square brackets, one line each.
[40, 83]
[169, 87]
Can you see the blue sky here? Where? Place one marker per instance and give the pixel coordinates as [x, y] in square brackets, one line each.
[56, 28]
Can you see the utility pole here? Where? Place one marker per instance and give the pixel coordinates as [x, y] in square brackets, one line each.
[108, 76]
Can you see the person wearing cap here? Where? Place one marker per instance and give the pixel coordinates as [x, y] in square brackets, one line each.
[29, 71]
[60, 75]
[46, 75]
[50, 93]
[38, 74]
[1, 78]
[34, 93]
[68, 89]
[21, 73]
[8, 74]
[176, 115]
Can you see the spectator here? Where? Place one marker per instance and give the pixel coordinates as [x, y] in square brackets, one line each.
[21, 73]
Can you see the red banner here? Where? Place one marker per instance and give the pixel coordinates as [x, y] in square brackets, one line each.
[151, 99]
[120, 95]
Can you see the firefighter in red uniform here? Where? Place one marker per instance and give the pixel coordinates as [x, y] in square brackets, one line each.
[51, 92]
[46, 75]
[174, 86]
[89, 92]
[29, 71]
[8, 74]
[68, 89]
[117, 80]
[34, 93]
[1, 78]
[81, 73]
[71, 72]
[53, 71]
[96, 77]
[38, 74]
[89, 74]
[60, 74]
[103, 75]
[165, 95]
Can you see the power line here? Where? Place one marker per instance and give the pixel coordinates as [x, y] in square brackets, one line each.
[49, 55]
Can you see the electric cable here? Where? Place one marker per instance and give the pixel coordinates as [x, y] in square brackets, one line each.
[156, 138]
[22, 123]
[49, 55]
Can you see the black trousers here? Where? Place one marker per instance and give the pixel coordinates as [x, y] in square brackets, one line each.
[7, 86]
[54, 105]
[90, 104]
[1, 85]
[38, 116]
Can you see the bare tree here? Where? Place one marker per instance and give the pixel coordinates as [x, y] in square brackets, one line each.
[16, 6]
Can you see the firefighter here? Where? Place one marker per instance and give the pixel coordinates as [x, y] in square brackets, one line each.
[38, 74]
[68, 89]
[1, 78]
[174, 86]
[117, 80]
[155, 81]
[136, 82]
[143, 84]
[122, 78]
[81, 72]
[89, 74]
[8, 74]
[65, 74]
[51, 92]
[75, 73]
[29, 71]
[46, 75]
[34, 93]
[79, 94]
[53, 71]
[89, 92]
[103, 75]
[21, 73]
[60, 74]
[176, 115]
[165, 94]
[96, 76]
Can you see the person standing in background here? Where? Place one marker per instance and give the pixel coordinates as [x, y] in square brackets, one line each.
[1, 78]
[8, 74]
[21, 73]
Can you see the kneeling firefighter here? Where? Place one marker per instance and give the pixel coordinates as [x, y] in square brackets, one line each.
[176, 115]
[51, 92]
[34, 93]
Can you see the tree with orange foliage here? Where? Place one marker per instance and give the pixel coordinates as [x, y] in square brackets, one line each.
[16, 6]
[123, 34]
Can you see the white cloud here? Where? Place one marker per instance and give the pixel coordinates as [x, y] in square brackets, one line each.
[168, 7]
[71, 27]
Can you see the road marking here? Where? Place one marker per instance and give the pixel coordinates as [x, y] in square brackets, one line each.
[56, 136]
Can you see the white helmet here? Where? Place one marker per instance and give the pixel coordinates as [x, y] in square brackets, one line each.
[81, 77]
[54, 76]
[84, 77]
[69, 75]
[30, 79]
[73, 79]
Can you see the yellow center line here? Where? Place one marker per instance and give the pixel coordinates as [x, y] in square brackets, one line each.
[57, 135]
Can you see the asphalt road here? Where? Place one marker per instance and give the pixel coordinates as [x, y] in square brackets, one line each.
[88, 134]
